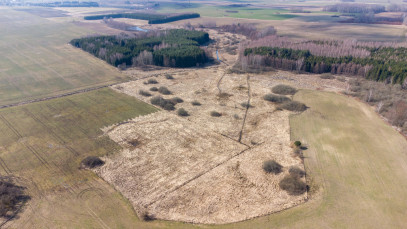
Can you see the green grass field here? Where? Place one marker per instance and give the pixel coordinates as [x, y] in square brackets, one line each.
[37, 61]
[43, 143]
[221, 11]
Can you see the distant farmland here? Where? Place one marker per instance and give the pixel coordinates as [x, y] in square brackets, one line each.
[37, 60]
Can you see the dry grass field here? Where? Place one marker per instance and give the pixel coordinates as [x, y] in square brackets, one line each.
[42, 145]
[39, 62]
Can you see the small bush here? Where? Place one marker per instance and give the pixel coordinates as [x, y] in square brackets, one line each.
[293, 106]
[134, 142]
[152, 81]
[246, 105]
[326, 76]
[169, 77]
[282, 89]
[296, 172]
[236, 116]
[293, 185]
[11, 197]
[182, 112]
[215, 114]
[145, 216]
[92, 162]
[164, 90]
[297, 143]
[276, 98]
[271, 166]
[176, 100]
[163, 103]
[154, 89]
[144, 93]
[196, 103]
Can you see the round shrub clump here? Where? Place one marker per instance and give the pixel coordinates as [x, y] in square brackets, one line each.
[166, 104]
[196, 103]
[152, 81]
[154, 89]
[296, 172]
[177, 100]
[144, 93]
[92, 162]
[293, 106]
[271, 166]
[293, 185]
[282, 89]
[169, 77]
[276, 98]
[182, 112]
[12, 197]
[297, 143]
[215, 114]
[164, 90]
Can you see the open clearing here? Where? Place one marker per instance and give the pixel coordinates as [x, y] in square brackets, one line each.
[42, 145]
[39, 62]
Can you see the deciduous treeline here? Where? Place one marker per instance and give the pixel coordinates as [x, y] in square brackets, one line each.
[152, 18]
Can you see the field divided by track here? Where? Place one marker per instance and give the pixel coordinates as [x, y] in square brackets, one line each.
[42, 145]
[356, 167]
[37, 60]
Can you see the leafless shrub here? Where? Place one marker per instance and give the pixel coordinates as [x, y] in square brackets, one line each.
[276, 98]
[215, 114]
[296, 172]
[154, 89]
[164, 90]
[271, 166]
[282, 89]
[293, 106]
[182, 112]
[11, 197]
[293, 185]
[144, 93]
[196, 103]
[92, 162]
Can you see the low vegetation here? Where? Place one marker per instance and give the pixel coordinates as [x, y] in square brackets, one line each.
[166, 104]
[293, 185]
[296, 172]
[172, 48]
[11, 197]
[144, 93]
[92, 162]
[196, 103]
[152, 81]
[154, 89]
[169, 77]
[326, 76]
[246, 105]
[271, 166]
[182, 112]
[282, 89]
[293, 106]
[177, 100]
[276, 98]
[164, 90]
[215, 114]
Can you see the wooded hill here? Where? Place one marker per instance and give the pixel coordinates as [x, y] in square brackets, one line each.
[172, 48]
[150, 17]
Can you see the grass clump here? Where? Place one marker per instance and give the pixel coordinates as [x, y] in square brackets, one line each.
[296, 172]
[176, 100]
[144, 93]
[276, 98]
[154, 89]
[166, 104]
[282, 89]
[293, 185]
[164, 90]
[152, 81]
[271, 166]
[246, 105]
[196, 103]
[182, 112]
[215, 114]
[92, 162]
[293, 106]
[326, 76]
[169, 77]
[11, 197]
